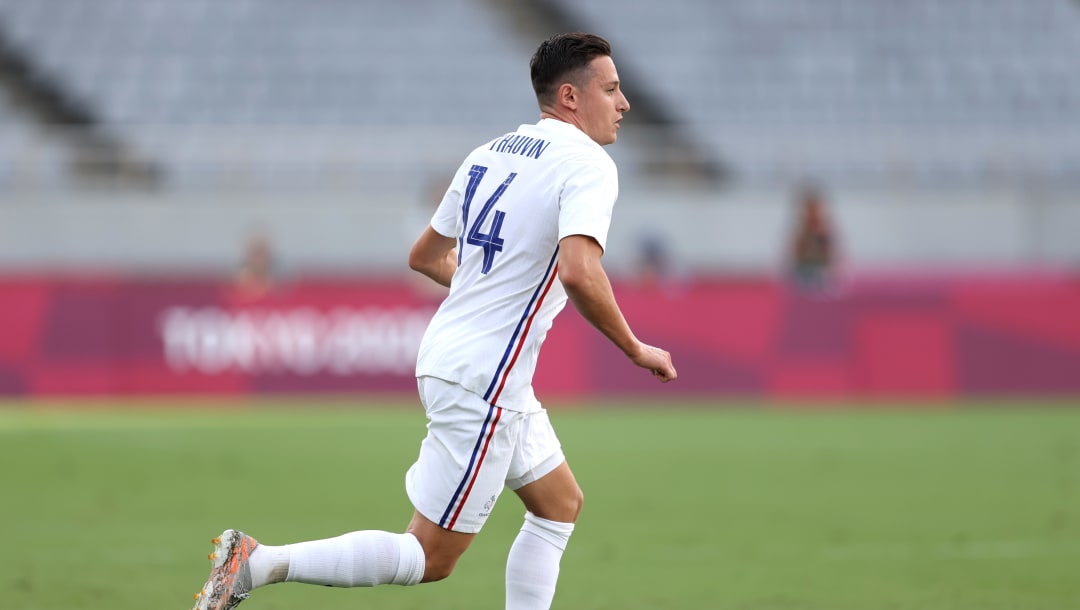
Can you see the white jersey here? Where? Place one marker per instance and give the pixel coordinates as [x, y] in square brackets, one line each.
[510, 203]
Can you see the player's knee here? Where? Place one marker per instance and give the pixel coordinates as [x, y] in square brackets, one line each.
[439, 562]
[571, 506]
[567, 507]
[438, 568]
[578, 503]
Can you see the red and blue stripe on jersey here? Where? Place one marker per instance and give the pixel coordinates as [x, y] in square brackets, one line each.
[517, 340]
[487, 430]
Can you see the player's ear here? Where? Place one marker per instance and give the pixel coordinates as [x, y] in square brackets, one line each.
[567, 96]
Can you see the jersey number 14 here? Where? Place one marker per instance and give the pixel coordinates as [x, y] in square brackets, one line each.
[490, 241]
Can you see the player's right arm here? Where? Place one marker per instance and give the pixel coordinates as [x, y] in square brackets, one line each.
[435, 256]
[589, 289]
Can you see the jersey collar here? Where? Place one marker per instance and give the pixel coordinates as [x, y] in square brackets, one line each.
[567, 129]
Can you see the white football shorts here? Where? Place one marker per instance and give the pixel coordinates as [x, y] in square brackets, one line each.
[472, 450]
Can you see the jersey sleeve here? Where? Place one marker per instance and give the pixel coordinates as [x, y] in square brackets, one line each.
[447, 219]
[587, 200]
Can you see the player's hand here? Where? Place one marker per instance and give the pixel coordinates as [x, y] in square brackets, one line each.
[657, 361]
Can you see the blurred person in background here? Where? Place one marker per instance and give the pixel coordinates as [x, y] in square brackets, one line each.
[255, 277]
[657, 268]
[653, 259]
[522, 210]
[813, 245]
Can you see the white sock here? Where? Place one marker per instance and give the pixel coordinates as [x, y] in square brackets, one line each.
[268, 564]
[356, 559]
[532, 569]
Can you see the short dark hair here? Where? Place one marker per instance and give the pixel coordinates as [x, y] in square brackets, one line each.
[558, 58]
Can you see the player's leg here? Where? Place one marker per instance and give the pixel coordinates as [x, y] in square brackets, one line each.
[546, 485]
[424, 553]
[555, 496]
[442, 547]
[357, 559]
[453, 485]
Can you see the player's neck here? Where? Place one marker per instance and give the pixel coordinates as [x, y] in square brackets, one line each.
[565, 118]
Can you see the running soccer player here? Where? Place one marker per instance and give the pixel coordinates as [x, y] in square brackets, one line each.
[523, 210]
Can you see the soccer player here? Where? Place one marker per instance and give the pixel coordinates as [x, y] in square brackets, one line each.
[523, 210]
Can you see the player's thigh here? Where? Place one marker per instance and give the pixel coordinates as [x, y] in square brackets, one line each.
[539, 474]
[464, 459]
[555, 496]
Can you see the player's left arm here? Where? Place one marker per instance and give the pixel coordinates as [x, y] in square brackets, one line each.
[434, 255]
[589, 289]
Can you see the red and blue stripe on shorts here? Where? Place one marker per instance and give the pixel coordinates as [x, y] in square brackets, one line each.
[498, 382]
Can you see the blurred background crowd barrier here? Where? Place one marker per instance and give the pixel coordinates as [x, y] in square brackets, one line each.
[918, 338]
[829, 198]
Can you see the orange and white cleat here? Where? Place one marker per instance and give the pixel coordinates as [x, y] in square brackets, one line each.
[230, 577]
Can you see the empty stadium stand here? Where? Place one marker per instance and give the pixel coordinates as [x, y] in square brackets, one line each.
[200, 83]
[275, 93]
[923, 90]
[28, 157]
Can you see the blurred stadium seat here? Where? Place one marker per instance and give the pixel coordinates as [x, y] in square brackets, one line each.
[844, 90]
[27, 159]
[899, 101]
[274, 62]
[187, 82]
[864, 90]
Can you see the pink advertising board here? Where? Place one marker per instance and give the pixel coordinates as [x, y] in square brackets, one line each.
[917, 337]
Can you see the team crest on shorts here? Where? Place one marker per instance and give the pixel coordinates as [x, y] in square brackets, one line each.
[490, 504]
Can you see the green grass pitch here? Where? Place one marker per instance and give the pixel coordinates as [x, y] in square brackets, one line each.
[687, 506]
